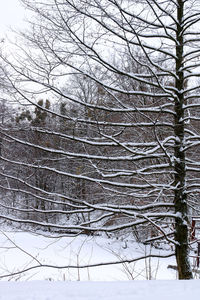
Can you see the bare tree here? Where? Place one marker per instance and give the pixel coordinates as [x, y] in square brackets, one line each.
[132, 137]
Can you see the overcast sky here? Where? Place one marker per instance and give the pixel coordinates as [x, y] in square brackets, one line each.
[11, 14]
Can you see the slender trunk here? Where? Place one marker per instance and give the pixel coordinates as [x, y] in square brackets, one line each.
[180, 196]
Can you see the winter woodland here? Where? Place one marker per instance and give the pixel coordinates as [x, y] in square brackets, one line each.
[100, 123]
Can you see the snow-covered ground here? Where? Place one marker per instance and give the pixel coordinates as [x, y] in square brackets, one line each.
[131, 290]
[21, 250]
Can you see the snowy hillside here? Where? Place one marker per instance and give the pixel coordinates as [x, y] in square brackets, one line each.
[22, 250]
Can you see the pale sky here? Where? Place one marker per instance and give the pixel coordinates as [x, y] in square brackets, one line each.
[11, 14]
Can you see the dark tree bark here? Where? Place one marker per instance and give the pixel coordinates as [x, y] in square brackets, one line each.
[180, 196]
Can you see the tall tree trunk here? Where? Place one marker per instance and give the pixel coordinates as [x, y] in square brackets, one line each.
[180, 196]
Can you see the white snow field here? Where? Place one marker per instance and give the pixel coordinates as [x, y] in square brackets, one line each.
[124, 290]
[22, 250]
